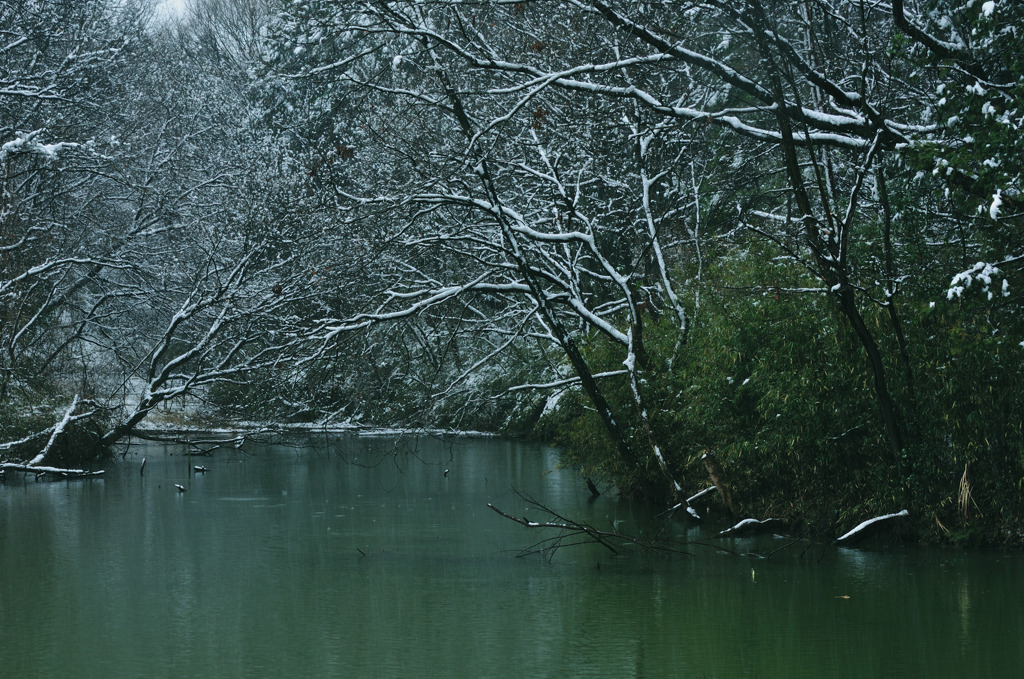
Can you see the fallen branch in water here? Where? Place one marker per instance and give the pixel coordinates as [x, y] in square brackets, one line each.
[202, 443]
[568, 529]
[41, 471]
[572, 532]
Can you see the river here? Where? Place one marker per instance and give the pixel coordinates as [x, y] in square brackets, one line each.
[361, 557]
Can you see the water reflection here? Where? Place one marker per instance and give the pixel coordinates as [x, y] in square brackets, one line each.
[361, 558]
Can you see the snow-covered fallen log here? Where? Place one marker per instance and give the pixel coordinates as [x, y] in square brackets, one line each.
[40, 470]
[706, 491]
[688, 505]
[866, 528]
[750, 527]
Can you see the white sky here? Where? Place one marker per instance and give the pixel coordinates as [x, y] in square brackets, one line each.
[170, 7]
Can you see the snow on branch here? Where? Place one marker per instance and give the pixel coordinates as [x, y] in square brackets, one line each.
[941, 48]
[983, 272]
[28, 142]
[566, 382]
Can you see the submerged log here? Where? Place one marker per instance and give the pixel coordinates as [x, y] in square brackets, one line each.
[40, 471]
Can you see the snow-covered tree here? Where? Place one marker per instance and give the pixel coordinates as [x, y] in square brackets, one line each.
[138, 263]
[570, 161]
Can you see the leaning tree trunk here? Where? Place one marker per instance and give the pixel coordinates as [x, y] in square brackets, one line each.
[829, 256]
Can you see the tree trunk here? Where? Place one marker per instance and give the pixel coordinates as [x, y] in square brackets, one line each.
[718, 478]
[887, 407]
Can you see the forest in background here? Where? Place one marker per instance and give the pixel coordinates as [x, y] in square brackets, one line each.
[786, 233]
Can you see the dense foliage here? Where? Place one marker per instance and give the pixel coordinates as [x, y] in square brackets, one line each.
[789, 233]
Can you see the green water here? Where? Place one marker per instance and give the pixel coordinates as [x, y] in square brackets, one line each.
[362, 559]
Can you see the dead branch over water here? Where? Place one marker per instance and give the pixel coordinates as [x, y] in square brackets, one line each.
[570, 532]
